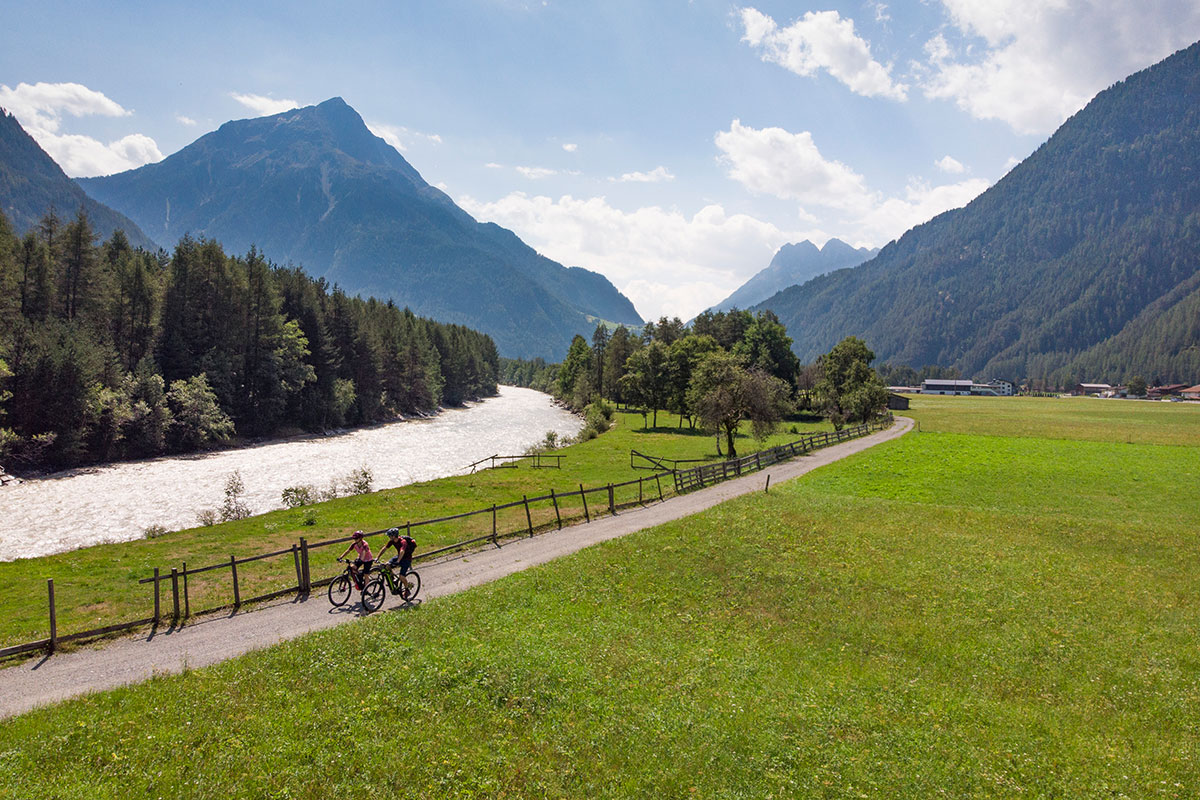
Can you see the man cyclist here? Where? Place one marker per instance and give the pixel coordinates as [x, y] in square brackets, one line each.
[362, 564]
[405, 545]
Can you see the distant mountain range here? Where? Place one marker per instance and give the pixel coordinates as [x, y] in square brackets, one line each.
[313, 186]
[794, 264]
[1082, 262]
[31, 184]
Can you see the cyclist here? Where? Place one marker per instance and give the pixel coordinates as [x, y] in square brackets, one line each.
[362, 564]
[405, 545]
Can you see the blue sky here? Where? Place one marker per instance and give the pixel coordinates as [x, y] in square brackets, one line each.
[671, 145]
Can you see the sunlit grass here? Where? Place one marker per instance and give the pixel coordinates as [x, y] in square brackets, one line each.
[943, 615]
[1091, 418]
[97, 586]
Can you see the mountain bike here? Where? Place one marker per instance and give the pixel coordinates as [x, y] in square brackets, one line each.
[392, 578]
[371, 587]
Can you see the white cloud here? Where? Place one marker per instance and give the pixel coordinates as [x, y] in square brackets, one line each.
[494, 165]
[1043, 60]
[891, 217]
[788, 165]
[182, 120]
[666, 262]
[656, 175]
[40, 107]
[397, 135]
[536, 173]
[950, 164]
[265, 106]
[822, 40]
[570, 147]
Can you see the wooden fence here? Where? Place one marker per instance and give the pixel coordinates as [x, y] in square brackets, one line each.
[639, 460]
[537, 460]
[649, 488]
[177, 605]
[698, 477]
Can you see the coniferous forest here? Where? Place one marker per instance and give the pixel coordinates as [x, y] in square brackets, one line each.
[109, 352]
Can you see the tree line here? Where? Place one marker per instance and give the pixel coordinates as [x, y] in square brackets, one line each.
[111, 352]
[723, 368]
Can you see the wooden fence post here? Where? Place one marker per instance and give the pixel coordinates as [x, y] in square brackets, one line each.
[237, 595]
[583, 495]
[528, 518]
[187, 606]
[299, 573]
[494, 525]
[612, 507]
[174, 594]
[304, 565]
[53, 616]
[639, 490]
[557, 516]
[659, 482]
[156, 600]
[767, 488]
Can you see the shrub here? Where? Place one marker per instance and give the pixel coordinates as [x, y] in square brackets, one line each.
[233, 507]
[309, 518]
[207, 517]
[595, 418]
[155, 531]
[359, 481]
[296, 496]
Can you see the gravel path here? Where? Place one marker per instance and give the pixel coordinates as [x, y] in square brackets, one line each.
[210, 639]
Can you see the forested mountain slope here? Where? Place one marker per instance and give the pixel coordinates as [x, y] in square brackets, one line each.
[313, 186]
[792, 265]
[31, 184]
[1073, 245]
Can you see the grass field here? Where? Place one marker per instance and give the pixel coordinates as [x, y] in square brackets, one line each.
[949, 614]
[98, 586]
[1092, 418]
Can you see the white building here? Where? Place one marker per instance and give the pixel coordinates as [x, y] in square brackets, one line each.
[944, 386]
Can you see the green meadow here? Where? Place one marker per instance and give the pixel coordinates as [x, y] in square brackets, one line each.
[98, 586]
[956, 613]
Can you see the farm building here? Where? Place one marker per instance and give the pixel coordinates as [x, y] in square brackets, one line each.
[944, 386]
[1191, 393]
[1170, 390]
[1092, 388]
[897, 402]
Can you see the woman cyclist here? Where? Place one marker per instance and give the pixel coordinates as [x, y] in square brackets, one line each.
[362, 564]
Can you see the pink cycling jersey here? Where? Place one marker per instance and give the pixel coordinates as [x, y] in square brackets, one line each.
[363, 549]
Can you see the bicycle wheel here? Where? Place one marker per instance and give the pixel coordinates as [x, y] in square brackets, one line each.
[373, 593]
[410, 594]
[339, 590]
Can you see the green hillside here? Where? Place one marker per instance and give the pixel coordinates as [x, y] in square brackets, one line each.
[1060, 256]
[32, 185]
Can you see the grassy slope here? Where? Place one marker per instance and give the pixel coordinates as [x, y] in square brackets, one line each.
[948, 613]
[98, 586]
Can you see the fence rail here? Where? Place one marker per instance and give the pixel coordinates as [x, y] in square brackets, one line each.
[708, 474]
[540, 461]
[649, 489]
[175, 579]
[639, 460]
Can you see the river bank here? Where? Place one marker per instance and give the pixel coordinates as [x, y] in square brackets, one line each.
[119, 502]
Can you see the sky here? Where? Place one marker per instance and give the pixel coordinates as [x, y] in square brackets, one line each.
[673, 146]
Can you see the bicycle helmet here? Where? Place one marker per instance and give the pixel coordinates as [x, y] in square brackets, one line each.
[393, 532]
[356, 535]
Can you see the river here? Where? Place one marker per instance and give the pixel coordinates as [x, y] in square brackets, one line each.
[118, 502]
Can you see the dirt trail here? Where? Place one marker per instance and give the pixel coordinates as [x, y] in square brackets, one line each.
[210, 639]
